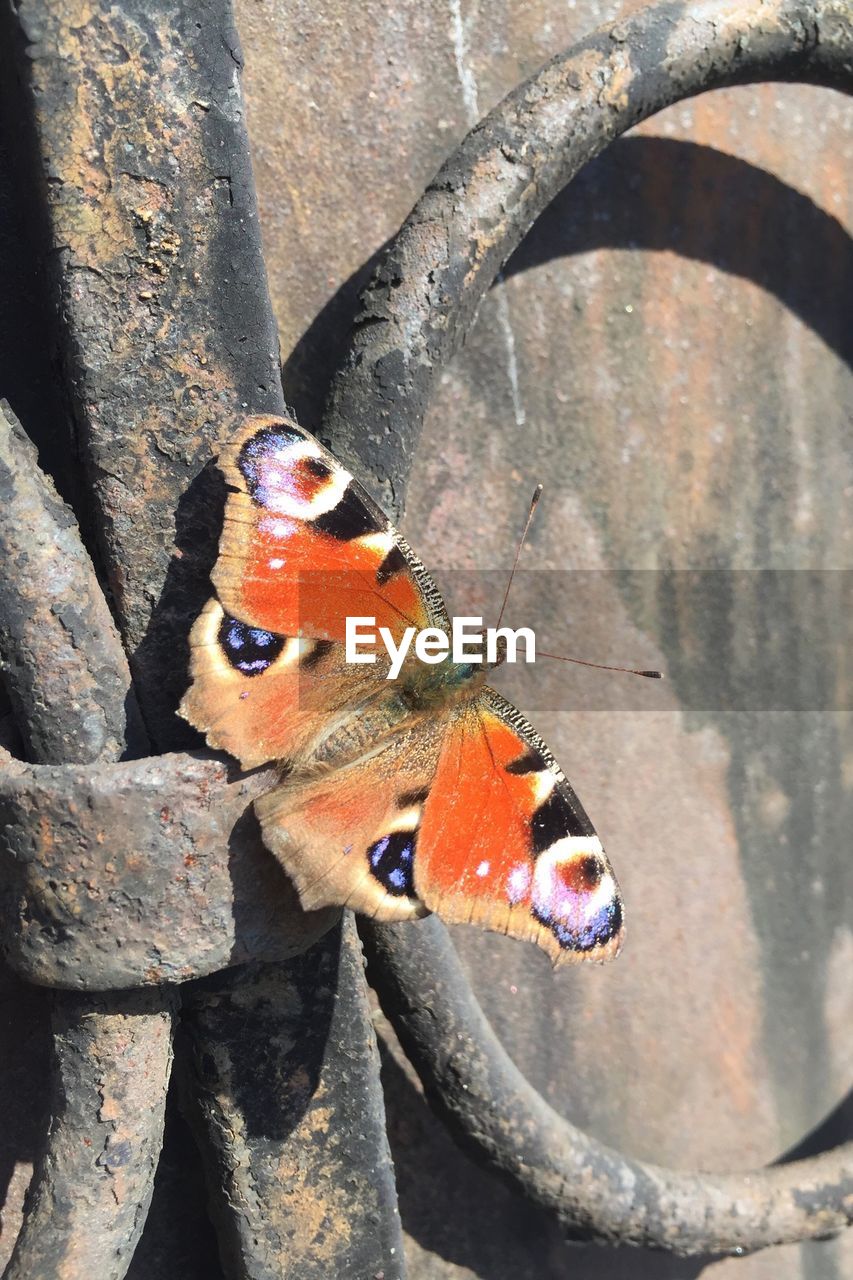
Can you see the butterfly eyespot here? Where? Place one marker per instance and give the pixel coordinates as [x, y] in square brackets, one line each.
[596, 932]
[391, 861]
[250, 650]
[316, 467]
[263, 450]
[286, 475]
[581, 874]
[574, 895]
[307, 478]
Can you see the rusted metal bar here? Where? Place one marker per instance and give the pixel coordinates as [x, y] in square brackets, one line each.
[61, 658]
[166, 333]
[593, 1191]
[168, 341]
[65, 669]
[425, 292]
[146, 872]
[87, 1206]
[284, 1063]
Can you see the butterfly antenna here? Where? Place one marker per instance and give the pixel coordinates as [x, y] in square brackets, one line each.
[537, 494]
[581, 662]
[602, 666]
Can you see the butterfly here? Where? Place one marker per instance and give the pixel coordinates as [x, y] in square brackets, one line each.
[428, 792]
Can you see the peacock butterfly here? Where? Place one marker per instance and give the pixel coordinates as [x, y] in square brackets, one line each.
[429, 792]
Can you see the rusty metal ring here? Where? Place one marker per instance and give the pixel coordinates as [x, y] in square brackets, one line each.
[415, 314]
[424, 295]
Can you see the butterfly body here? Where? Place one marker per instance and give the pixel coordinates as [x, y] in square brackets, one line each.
[397, 796]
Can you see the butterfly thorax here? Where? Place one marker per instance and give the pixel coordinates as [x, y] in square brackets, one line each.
[429, 686]
[422, 690]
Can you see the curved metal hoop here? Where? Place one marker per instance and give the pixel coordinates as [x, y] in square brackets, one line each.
[415, 314]
[424, 295]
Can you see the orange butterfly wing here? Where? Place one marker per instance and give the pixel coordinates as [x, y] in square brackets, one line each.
[504, 842]
[302, 547]
[466, 815]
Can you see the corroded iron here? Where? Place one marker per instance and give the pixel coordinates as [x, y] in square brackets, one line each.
[593, 1191]
[87, 1204]
[274, 1072]
[64, 665]
[142, 873]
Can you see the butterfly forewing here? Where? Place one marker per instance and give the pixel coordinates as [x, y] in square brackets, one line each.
[303, 546]
[506, 844]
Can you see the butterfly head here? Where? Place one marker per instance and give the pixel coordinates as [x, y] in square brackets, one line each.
[427, 686]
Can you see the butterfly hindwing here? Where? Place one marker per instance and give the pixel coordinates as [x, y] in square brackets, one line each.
[350, 837]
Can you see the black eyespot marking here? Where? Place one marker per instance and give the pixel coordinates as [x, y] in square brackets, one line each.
[258, 452]
[317, 467]
[249, 649]
[556, 818]
[407, 798]
[349, 519]
[317, 654]
[392, 862]
[528, 762]
[395, 562]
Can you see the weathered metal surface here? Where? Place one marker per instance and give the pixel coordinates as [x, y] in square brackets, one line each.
[664, 354]
[284, 1063]
[159, 279]
[166, 339]
[146, 872]
[65, 668]
[478, 207]
[593, 1190]
[87, 1206]
[25, 1066]
[60, 655]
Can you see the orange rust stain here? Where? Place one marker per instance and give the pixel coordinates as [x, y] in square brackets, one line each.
[47, 842]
